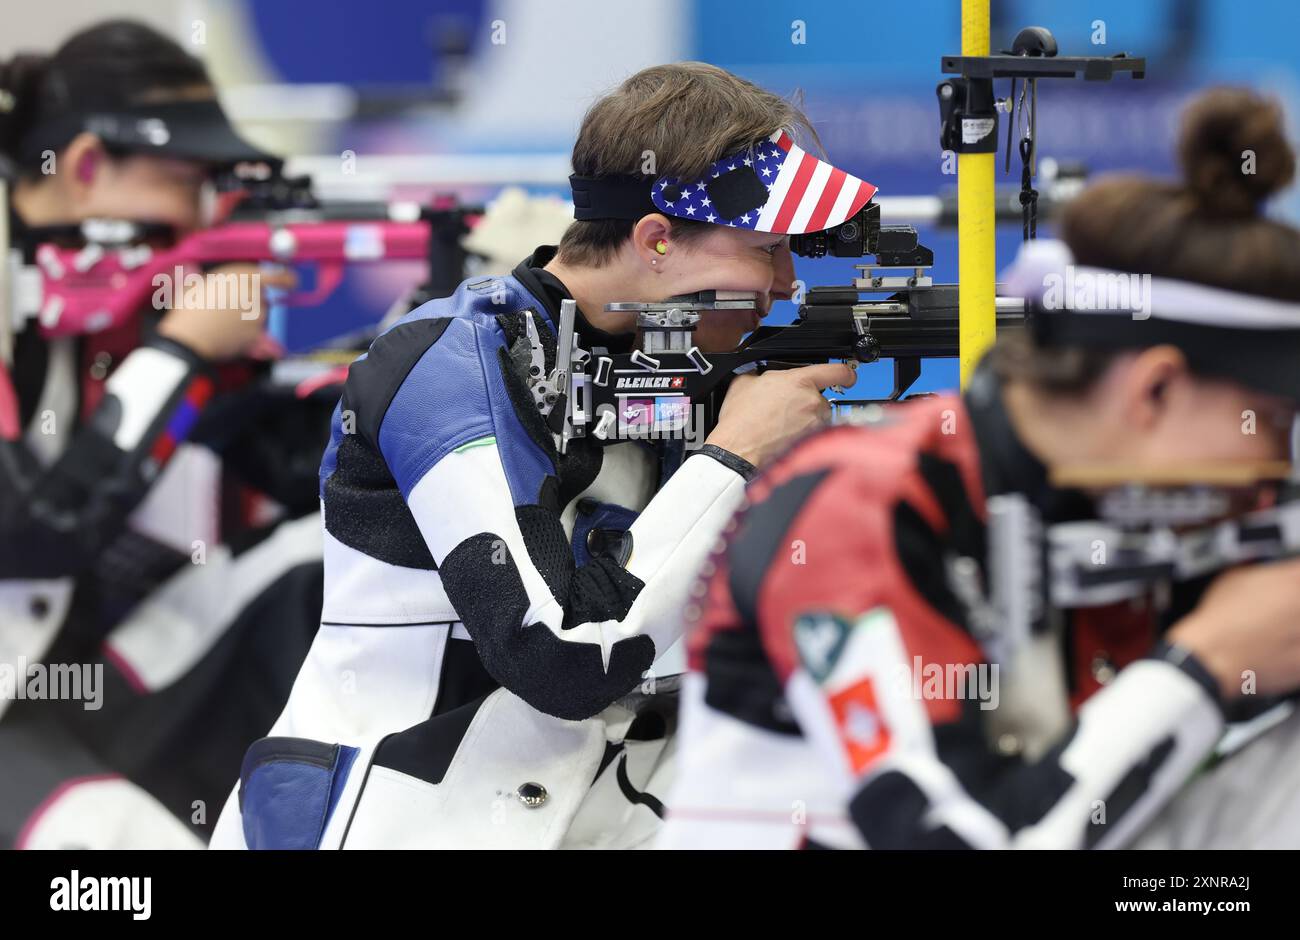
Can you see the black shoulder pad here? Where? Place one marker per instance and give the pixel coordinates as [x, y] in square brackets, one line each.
[373, 381]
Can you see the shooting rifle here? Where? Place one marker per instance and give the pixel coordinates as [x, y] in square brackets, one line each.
[654, 389]
[1155, 532]
[99, 273]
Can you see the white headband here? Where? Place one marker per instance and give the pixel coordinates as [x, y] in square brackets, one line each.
[1044, 272]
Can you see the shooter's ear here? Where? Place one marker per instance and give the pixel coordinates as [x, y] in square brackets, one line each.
[1149, 380]
[84, 158]
[652, 238]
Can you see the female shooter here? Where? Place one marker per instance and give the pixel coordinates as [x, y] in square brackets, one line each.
[852, 683]
[112, 558]
[495, 664]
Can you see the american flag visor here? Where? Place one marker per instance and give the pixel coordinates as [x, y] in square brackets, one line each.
[775, 186]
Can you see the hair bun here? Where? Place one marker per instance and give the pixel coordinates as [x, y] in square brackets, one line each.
[1234, 151]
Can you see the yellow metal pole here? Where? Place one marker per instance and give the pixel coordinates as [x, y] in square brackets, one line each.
[976, 255]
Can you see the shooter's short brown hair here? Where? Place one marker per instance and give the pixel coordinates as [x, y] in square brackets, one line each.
[681, 116]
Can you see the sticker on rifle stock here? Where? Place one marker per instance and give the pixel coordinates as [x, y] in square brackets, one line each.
[636, 412]
[672, 413]
[363, 242]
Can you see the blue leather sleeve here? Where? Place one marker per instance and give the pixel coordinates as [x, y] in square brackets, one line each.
[453, 395]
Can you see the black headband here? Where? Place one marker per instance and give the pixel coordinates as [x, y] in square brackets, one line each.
[629, 197]
[611, 197]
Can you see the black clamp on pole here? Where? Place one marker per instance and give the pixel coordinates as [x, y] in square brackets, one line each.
[967, 112]
[967, 116]
[1033, 55]
[968, 108]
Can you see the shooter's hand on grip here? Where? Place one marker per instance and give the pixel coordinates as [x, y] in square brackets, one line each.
[762, 414]
[1248, 622]
[221, 333]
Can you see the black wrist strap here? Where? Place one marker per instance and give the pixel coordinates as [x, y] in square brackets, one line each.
[178, 349]
[1192, 667]
[730, 461]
